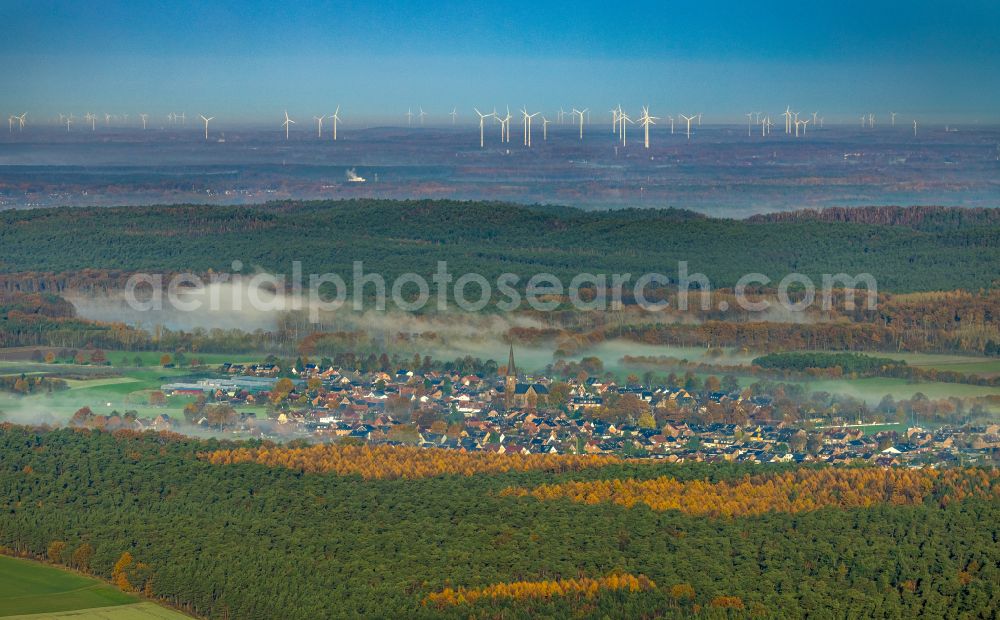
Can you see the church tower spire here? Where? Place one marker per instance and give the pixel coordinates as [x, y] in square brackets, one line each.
[510, 381]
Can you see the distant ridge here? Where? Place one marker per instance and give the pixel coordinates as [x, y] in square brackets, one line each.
[918, 218]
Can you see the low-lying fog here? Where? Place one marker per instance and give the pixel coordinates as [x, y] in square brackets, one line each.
[228, 306]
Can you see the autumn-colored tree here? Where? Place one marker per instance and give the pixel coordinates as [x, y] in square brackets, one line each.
[682, 592]
[82, 417]
[98, 357]
[727, 602]
[401, 462]
[119, 576]
[157, 398]
[56, 551]
[165, 359]
[81, 557]
[221, 415]
[50, 357]
[712, 384]
[793, 491]
[559, 394]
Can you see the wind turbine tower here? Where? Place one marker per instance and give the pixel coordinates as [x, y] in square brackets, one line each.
[206, 123]
[581, 113]
[646, 121]
[689, 119]
[287, 124]
[482, 119]
[528, 118]
[624, 118]
[144, 118]
[336, 119]
[319, 125]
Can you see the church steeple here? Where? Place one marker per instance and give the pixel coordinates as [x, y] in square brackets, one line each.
[510, 381]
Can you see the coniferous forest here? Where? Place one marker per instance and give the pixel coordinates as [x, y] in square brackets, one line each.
[244, 540]
[943, 252]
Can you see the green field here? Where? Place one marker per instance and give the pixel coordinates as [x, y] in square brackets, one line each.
[137, 611]
[27, 587]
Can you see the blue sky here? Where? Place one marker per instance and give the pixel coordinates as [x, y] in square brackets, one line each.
[249, 60]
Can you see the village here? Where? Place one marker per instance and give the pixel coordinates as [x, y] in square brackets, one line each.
[519, 413]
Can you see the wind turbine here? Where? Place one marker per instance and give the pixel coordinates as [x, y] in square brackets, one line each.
[107, 119]
[527, 125]
[206, 123]
[749, 116]
[182, 117]
[699, 119]
[92, 119]
[336, 119]
[671, 124]
[144, 118]
[581, 113]
[788, 119]
[914, 127]
[689, 119]
[20, 121]
[545, 128]
[421, 116]
[454, 114]
[319, 125]
[409, 117]
[646, 121]
[623, 118]
[287, 124]
[69, 121]
[10, 124]
[560, 116]
[614, 118]
[892, 116]
[482, 119]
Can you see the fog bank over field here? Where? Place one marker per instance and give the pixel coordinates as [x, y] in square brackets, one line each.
[448, 335]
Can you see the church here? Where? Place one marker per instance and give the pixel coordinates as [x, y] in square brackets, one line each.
[521, 395]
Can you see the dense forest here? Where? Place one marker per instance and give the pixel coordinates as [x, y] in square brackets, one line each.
[395, 237]
[926, 218]
[246, 540]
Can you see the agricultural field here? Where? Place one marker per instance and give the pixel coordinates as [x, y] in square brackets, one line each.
[29, 589]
